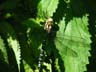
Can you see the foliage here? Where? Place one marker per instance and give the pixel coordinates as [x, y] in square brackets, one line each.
[21, 35]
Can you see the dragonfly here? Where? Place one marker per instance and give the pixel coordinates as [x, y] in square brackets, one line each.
[47, 27]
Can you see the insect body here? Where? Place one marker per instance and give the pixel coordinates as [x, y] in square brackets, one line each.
[47, 26]
[41, 55]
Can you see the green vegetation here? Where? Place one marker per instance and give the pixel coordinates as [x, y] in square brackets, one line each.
[22, 33]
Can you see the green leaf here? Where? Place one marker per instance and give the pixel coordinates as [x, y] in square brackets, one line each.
[9, 33]
[27, 67]
[47, 8]
[73, 42]
[30, 44]
[3, 51]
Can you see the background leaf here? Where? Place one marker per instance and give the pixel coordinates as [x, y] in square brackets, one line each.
[3, 51]
[75, 44]
[11, 39]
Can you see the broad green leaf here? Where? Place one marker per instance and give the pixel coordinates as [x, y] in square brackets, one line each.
[46, 8]
[73, 42]
[9, 33]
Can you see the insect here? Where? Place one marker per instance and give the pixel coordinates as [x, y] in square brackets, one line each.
[47, 27]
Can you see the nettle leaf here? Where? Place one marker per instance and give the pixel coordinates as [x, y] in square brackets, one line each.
[3, 51]
[73, 44]
[9, 33]
[47, 8]
[14, 44]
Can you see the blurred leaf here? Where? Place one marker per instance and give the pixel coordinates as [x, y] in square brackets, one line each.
[7, 30]
[3, 51]
[31, 44]
[27, 67]
[9, 4]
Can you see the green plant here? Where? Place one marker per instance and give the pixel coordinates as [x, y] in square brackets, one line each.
[21, 35]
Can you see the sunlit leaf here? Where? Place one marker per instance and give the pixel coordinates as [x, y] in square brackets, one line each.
[47, 8]
[13, 43]
[74, 45]
[3, 51]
